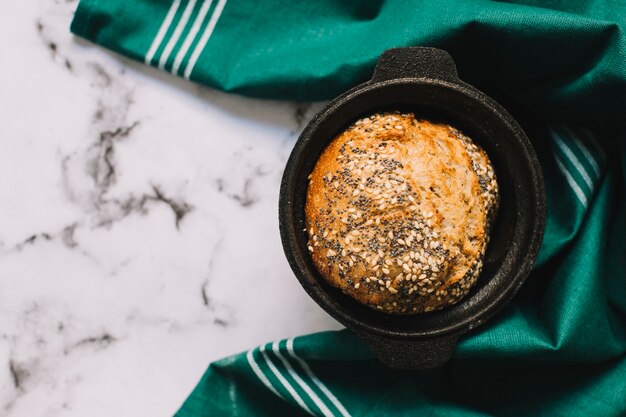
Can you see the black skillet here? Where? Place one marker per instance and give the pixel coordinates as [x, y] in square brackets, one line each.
[424, 81]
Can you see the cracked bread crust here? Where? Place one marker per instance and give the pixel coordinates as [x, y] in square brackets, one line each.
[398, 213]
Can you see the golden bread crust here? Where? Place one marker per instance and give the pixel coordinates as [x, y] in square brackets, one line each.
[398, 213]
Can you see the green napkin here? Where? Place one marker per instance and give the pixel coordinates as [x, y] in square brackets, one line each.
[559, 349]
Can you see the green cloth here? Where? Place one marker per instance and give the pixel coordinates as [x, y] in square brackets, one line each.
[559, 348]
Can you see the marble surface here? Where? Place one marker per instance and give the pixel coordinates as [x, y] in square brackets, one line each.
[138, 226]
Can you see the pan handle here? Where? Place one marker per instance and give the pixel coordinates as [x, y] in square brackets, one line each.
[415, 62]
[411, 354]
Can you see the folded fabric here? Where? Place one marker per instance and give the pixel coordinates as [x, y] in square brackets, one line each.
[563, 64]
[560, 347]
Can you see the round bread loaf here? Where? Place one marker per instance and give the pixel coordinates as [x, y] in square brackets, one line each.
[398, 213]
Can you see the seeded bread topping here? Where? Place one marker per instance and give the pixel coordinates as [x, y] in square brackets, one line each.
[398, 213]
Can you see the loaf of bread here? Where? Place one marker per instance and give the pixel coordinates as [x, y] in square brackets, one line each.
[398, 213]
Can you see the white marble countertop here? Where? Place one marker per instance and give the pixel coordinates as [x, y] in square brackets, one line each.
[138, 226]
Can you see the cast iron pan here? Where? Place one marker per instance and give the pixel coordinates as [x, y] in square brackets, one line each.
[424, 81]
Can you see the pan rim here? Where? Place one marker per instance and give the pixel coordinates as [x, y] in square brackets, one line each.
[533, 230]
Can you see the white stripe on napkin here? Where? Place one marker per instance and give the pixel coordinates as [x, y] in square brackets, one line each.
[162, 31]
[208, 31]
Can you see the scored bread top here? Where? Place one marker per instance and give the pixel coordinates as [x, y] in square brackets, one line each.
[398, 213]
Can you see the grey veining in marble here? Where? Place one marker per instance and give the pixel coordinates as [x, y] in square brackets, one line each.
[138, 226]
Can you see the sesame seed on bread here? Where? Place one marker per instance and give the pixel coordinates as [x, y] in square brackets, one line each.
[398, 213]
